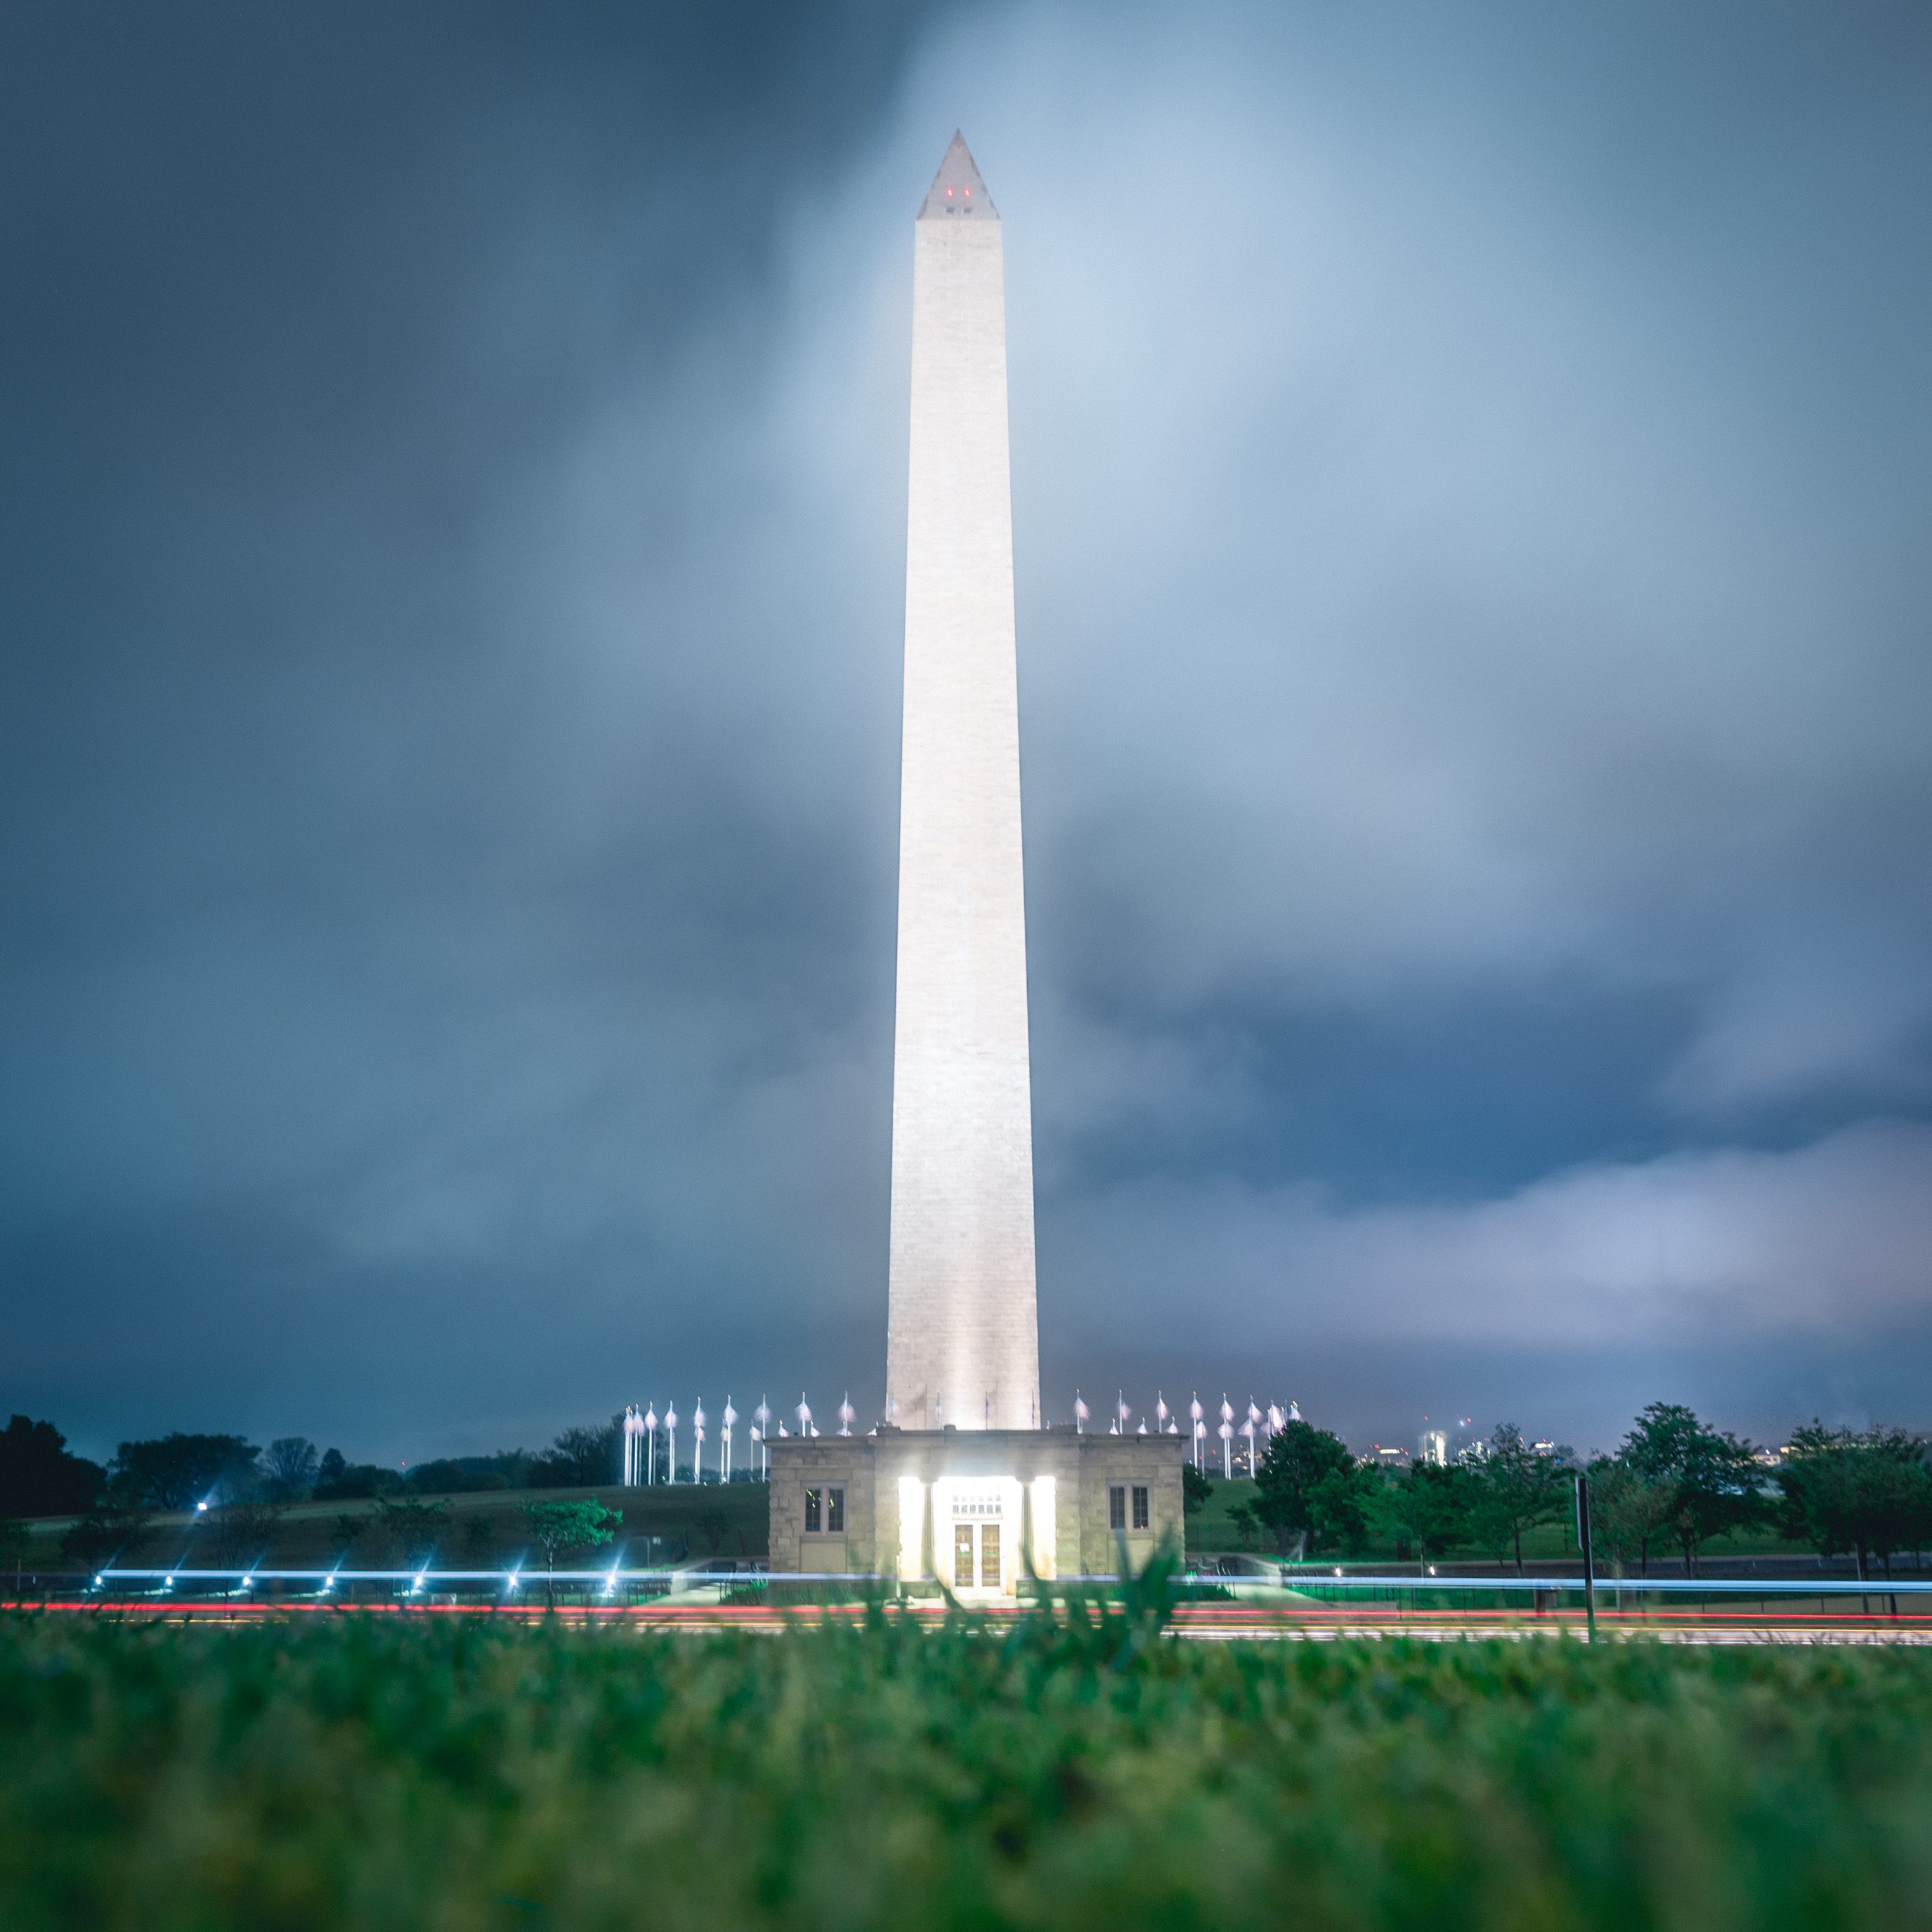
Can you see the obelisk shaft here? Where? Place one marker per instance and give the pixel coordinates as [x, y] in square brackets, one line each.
[963, 1341]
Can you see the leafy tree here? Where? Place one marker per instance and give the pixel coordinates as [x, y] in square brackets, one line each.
[37, 1475]
[409, 1528]
[176, 1471]
[1869, 1494]
[466, 1475]
[1290, 1497]
[338, 1481]
[1517, 1487]
[1425, 1509]
[1710, 1474]
[289, 1469]
[1196, 1489]
[556, 1527]
[580, 1459]
[1342, 1500]
[1628, 1512]
[1309, 1485]
[479, 1542]
[713, 1525]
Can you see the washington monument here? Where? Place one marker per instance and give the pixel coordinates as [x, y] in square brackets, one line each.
[963, 1336]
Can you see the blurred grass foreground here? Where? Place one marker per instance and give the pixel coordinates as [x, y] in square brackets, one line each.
[1069, 1771]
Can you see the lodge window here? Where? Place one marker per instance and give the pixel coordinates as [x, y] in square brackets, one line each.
[835, 1512]
[825, 1511]
[1117, 1507]
[1140, 1506]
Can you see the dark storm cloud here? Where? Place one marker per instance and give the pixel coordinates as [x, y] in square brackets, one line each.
[369, 982]
[1470, 498]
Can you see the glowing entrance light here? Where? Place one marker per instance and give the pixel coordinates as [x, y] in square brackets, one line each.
[912, 1528]
[1045, 1551]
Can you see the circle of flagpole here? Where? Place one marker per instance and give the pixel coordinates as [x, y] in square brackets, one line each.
[846, 1413]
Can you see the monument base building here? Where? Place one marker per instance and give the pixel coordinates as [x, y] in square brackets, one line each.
[975, 1509]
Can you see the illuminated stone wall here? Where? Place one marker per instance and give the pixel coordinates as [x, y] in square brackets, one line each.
[883, 1473]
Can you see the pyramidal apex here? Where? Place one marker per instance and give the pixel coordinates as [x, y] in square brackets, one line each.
[957, 191]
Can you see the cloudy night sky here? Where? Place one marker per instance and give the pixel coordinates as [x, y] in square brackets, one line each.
[1472, 472]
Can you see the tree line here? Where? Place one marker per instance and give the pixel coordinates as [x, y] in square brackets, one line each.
[1673, 1484]
[238, 1486]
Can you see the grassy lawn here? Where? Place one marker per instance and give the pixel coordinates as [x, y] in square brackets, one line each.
[432, 1772]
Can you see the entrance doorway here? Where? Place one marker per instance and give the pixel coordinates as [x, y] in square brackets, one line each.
[975, 1556]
